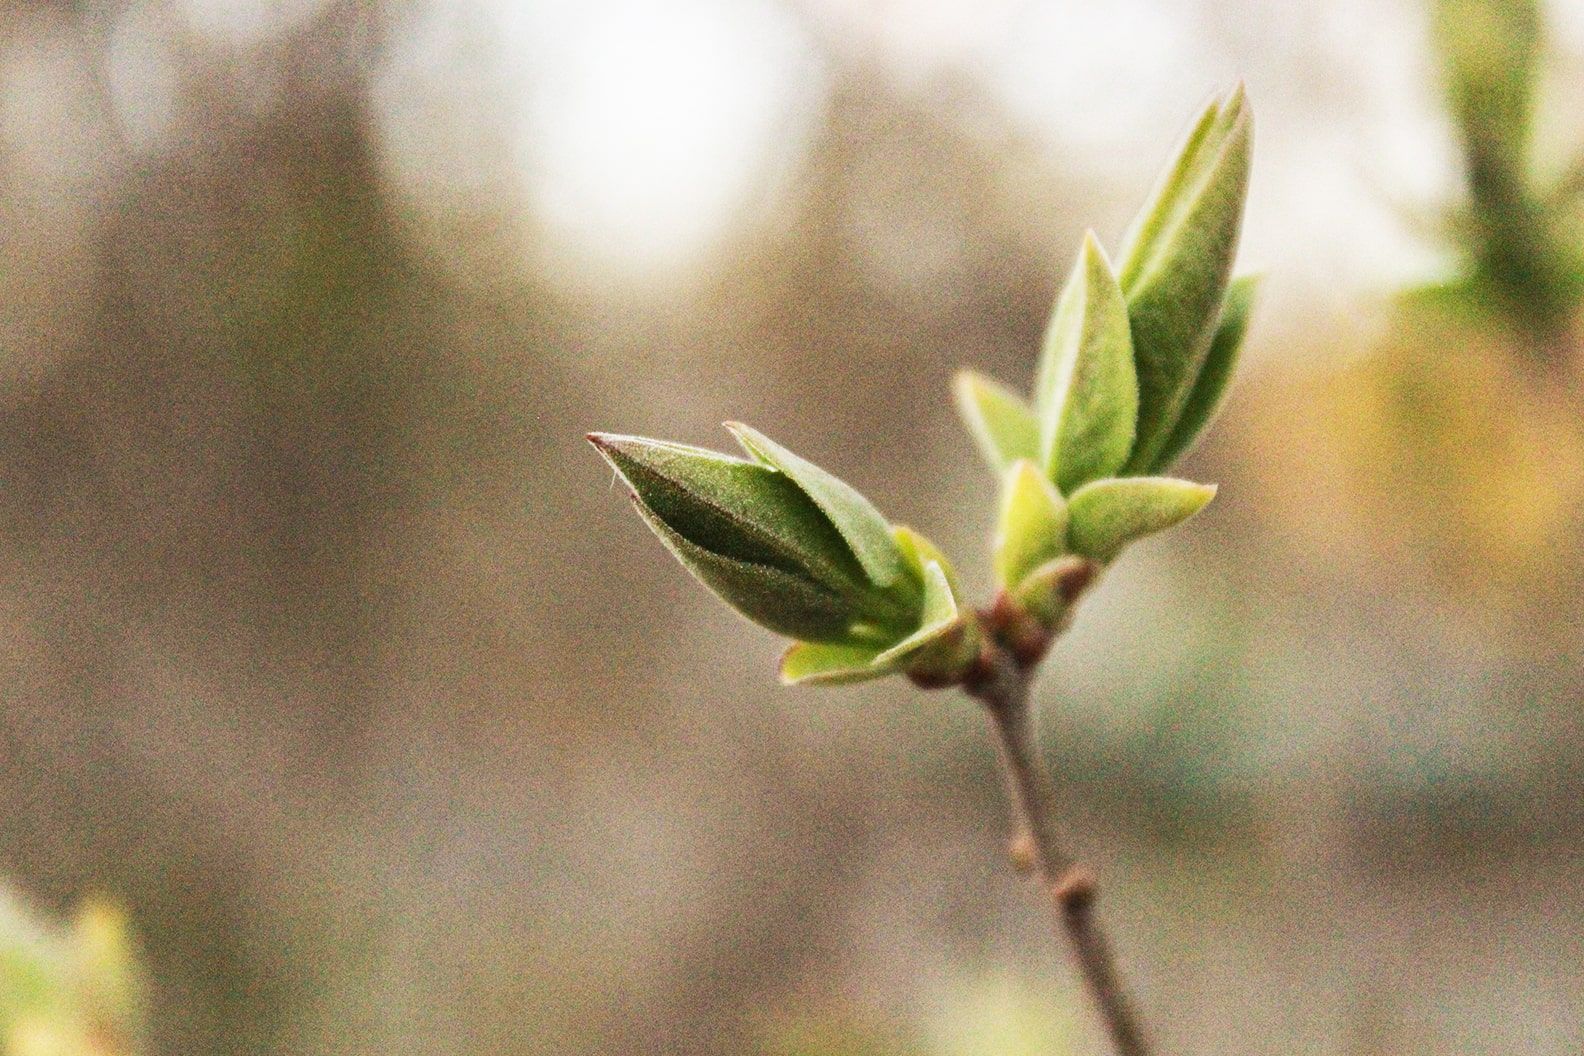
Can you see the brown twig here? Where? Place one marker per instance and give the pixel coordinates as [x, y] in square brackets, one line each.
[1002, 684]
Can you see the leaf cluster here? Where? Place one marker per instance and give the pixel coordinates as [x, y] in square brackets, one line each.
[1135, 362]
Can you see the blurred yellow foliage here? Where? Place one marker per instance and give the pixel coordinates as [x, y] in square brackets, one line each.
[73, 990]
[1441, 452]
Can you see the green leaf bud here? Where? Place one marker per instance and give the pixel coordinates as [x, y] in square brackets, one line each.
[1086, 389]
[1106, 515]
[760, 541]
[1032, 526]
[1176, 266]
[1001, 422]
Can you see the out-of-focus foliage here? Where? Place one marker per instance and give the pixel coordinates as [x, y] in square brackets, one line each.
[1521, 231]
[1459, 435]
[72, 989]
[834, 1035]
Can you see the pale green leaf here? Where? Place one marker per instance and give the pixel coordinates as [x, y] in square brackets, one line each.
[1048, 591]
[940, 617]
[1147, 233]
[1086, 389]
[1001, 422]
[918, 552]
[1032, 527]
[1106, 515]
[1175, 269]
[867, 533]
[829, 664]
[1210, 389]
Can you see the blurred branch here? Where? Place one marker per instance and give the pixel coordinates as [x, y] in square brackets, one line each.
[1004, 691]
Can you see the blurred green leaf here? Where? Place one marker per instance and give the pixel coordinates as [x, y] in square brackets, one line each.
[1175, 268]
[1000, 421]
[1032, 526]
[1086, 388]
[1210, 389]
[1108, 514]
[73, 991]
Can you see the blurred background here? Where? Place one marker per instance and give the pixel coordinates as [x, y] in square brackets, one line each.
[332, 659]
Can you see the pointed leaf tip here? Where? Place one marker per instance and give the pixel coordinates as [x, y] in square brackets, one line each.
[1107, 515]
[866, 532]
[1086, 390]
[1000, 421]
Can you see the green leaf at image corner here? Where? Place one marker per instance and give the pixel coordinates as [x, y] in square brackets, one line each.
[1175, 269]
[1031, 528]
[1000, 421]
[1210, 390]
[1086, 388]
[1107, 515]
[855, 517]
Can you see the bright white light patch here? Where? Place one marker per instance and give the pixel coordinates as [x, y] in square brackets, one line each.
[649, 127]
[1103, 79]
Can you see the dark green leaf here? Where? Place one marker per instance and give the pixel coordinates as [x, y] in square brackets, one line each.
[783, 602]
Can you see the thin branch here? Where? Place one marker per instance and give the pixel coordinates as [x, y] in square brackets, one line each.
[1003, 688]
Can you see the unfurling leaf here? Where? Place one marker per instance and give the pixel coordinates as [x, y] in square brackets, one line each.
[1032, 527]
[1209, 391]
[939, 614]
[1175, 268]
[1049, 592]
[1001, 422]
[854, 516]
[779, 540]
[1086, 390]
[1106, 515]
